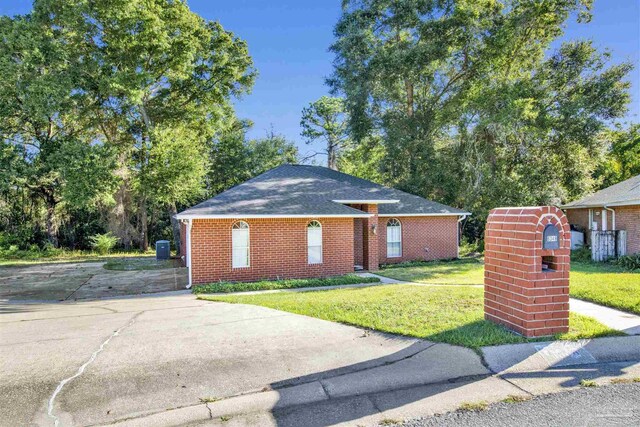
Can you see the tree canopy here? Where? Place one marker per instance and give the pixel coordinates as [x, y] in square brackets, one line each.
[471, 104]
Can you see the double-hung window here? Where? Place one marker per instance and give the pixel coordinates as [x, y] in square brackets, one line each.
[314, 242]
[240, 244]
[394, 238]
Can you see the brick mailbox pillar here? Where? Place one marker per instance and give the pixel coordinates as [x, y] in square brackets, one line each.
[526, 279]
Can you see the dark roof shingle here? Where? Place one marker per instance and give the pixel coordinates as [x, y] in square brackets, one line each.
[301, 190]
[623, 193]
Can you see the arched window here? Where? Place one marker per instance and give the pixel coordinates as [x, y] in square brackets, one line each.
[314, 242]
[240, 244]
[394, 238]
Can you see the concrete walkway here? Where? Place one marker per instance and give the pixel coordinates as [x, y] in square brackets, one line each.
[615, 319]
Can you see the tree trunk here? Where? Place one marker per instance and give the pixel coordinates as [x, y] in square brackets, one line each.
[144, 225]
[409, 86]
[332, 162]
[52, 226]
[175, 227]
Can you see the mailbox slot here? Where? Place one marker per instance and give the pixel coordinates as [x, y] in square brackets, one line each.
[549, 263]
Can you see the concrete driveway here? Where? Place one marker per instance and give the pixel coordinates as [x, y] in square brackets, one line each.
[149, 354]
[83, 280]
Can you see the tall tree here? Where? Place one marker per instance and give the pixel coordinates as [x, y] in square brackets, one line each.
[153, 69]
[235, 159]
[622, 158]
[472, 107]
[41, 119]
[325, 120]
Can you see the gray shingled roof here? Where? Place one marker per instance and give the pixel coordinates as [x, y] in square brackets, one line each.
[301, 190]
[621, 194]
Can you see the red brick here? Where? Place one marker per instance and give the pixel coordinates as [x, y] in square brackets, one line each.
[517, 293]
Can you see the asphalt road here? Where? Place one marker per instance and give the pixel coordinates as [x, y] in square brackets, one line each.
[612, 405]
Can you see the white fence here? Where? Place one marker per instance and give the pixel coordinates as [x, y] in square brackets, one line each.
[608, 244]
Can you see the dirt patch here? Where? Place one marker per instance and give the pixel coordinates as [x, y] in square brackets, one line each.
[84, 280]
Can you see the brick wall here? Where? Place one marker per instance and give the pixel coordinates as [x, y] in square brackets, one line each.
[579, 217]
[278, 248]
[358, 256]
[628, 218]
[423, 238]
[518, 294]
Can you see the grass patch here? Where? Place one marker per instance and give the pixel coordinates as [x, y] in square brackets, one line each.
[601, 283]
[50, 256]
[588, 383]
[606, 284]
[625, 380]
[453, 315]
[225, 287]
[473, 406]
[209, 399]
[389, 422]
[136, 264]
[514, 398]
[454, 272]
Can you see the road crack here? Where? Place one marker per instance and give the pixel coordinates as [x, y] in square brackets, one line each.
[50, 406]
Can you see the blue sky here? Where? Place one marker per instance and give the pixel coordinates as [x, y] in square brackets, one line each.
[289, 41]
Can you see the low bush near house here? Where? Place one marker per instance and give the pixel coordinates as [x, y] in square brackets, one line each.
[628, 262]
[103, 243]
[225, 287]
[581, 255]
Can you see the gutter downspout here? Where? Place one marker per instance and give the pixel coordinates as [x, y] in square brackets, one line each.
[188, 244]
[613, 217]
[462, 218]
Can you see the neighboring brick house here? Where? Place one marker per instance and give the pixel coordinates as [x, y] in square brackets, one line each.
[299, 221]
[613, 208]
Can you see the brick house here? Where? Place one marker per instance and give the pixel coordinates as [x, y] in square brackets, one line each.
[613, 208]
[298, 221]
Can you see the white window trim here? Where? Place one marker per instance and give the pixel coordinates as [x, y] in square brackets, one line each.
[386, 230]
[321, 243]
[248, 247]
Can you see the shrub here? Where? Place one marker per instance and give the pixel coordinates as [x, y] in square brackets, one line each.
[468, 248]
[628, 262]
[103, 243]
[581, 255]
[349, 279]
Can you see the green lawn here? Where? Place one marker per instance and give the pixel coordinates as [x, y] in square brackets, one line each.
[446, 314]
[458, 272]
[226, 287]
[604, 283]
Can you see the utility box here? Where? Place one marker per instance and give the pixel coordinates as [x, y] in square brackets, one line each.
[526, 279]
[163, 250]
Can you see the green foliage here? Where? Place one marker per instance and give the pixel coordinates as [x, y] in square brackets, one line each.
[581, 255]
[325, 119]
[225, 287]
[628, 262]
[473, 107]
[234, 159]
[103, 243]
[364, 160]
[108, 110]
[470, 248]
[622, 160]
